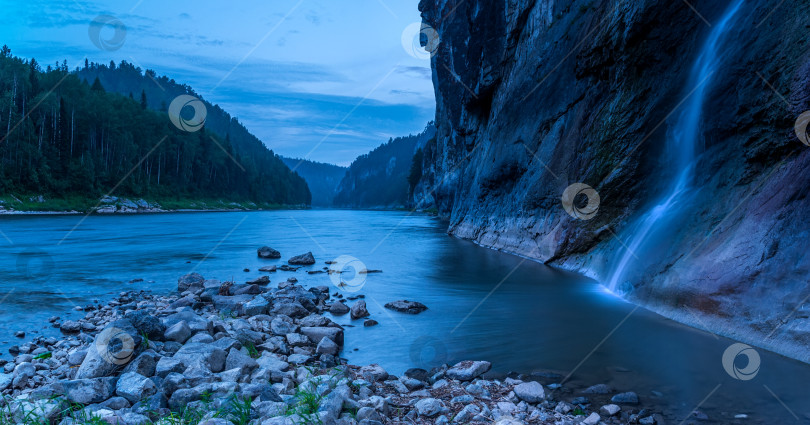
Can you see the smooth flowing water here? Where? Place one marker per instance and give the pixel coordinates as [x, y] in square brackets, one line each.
[520, 315]
[682, 144]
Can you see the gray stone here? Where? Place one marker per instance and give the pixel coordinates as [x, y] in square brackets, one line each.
[292, 309]
[70, 326]
[430, 407]
[88, 391]
[468, 370]
[297, 340]
[267, 252]
[144, 364]
[327, 346]
[183, 397]
[368, 413]
[256, 306]
[134, 386]
[466, 414]
[625, 398]
[116, 403]
[593, 419]
[610, 409]
[530, 392]
[373, 373]
[167, 365]
[178, 332]
[5, 380]
[112, 349]
[316, 334]
[211, 358]
[238, 360]
[76, 357]
[23, 372]
[597, 389]
[146, 323]
[187, 281]
[338, 308]
[405, 306]
[303, 259]
[359, 310]
[279, 326]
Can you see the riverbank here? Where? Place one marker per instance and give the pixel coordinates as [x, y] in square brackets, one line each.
[220, 352]
[38, 204]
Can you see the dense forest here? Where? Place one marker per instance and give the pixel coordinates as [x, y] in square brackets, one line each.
[323, 179]
[383, 178]
[62, 135]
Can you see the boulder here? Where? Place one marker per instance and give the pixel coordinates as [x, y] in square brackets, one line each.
[302, 260]
[258, 305]
[261, 281]
[144, 364]
[70, 327]
[327, 346]
[187, 281]
[239, 360]
[146, 323]
[267, 252]
[179, 332]
[530, 392]
[405, 306]
[625, 398]
[338, 308]
[610, 409]
[468, 370]
[359, 310]
[88, 391]
[315, 334]
[113, 348]
[209, 357]
[430, 407]
[134, 386]
[373, 373]
[289, 308]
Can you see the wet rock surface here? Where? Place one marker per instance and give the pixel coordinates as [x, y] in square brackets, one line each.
[532, 97]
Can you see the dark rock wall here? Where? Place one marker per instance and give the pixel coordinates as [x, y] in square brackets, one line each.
[534, 95]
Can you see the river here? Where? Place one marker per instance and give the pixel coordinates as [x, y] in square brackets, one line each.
[520, 315]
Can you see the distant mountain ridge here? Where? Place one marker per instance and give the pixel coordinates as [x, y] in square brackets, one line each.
[69, 137]
[322, 178]
[379, 179]
[250, 152]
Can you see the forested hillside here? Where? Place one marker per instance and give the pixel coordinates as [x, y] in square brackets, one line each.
[323, 179]
[63, 136]
[380, 178]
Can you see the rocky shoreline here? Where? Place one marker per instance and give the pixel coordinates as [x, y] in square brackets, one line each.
[225, 353]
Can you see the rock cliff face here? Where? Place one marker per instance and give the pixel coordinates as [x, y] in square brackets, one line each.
[536, 95]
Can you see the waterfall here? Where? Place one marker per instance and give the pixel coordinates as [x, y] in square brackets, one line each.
[682, 141]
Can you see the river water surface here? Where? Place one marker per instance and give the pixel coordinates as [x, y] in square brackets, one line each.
[520, 315]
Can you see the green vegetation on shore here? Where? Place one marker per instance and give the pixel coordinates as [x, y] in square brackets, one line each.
[71, 141]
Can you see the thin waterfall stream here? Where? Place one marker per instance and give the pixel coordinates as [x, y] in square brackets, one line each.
[682, 141]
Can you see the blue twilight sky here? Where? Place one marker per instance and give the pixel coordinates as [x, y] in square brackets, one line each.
[322, 79]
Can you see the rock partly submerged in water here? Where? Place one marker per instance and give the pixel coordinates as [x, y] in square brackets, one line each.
[302, 260]
[267, 252]
[405, 306]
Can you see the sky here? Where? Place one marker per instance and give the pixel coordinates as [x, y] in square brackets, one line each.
[325, 80]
